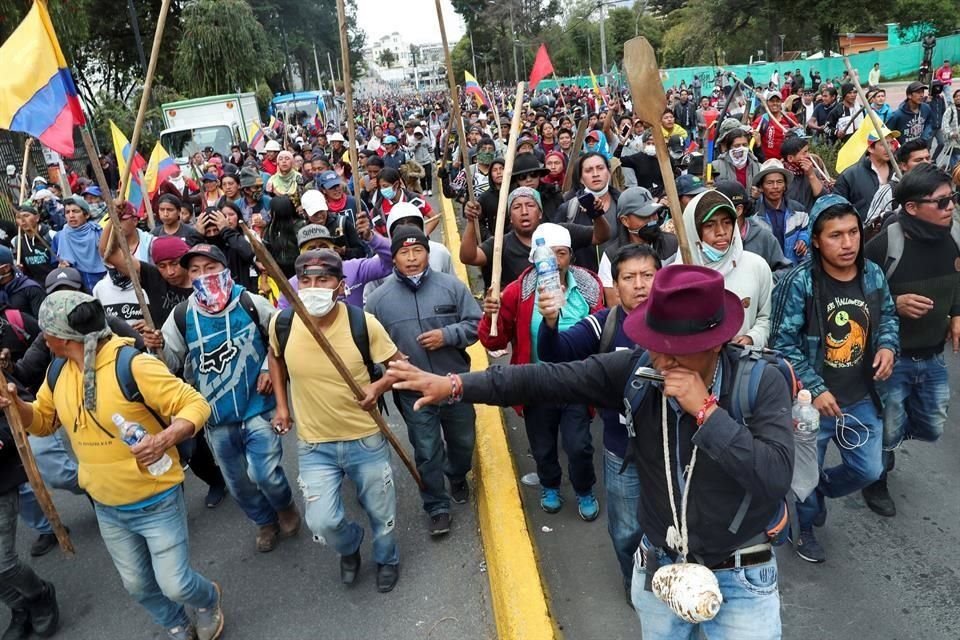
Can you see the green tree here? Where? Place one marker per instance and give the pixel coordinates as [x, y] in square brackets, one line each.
[223, 48]
[387, 58]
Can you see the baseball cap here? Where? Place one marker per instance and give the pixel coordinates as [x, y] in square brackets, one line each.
[92, 190]
[209, 177]
[319, 262]
[733, 190]
[316, 232]
[63, 277]
[390, 140]
[204, 250]
[915, 86]
[637, 201]
[329, 179]
[688, 185]
[313, 201]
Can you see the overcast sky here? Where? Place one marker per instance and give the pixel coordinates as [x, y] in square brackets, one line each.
[416, 20]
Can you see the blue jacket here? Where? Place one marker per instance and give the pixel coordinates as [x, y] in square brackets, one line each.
[796, 226]
[912, 125]
[797, 327]
[578, 342]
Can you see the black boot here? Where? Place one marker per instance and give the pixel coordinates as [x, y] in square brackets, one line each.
[878, 498]
[45, 612]
[19, 628]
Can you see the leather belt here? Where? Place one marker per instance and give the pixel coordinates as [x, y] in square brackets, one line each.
[745, 557]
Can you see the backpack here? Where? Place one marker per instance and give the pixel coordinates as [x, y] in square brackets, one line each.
[15, 319]
[895, 242]
[609, 331]
[246, 302]
[750, 363]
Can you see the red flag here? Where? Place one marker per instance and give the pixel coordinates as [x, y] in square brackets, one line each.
[542, 67]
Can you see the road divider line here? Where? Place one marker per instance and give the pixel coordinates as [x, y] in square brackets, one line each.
[520, 608]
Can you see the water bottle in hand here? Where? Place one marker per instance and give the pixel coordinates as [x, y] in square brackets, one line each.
[545, 261]
[132, 433]
[806, 418]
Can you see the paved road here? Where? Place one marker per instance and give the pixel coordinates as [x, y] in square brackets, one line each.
[885, 579]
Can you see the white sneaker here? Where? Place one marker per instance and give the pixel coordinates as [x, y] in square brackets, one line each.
[429, 192]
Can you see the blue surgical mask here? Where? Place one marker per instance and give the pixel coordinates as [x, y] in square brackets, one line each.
[388, 192]
[712, 254]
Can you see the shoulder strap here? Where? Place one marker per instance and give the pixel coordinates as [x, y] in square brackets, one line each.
[248, 305]
[53, 372]
[955, 234]
[361, 338]
[180, 317]
[895, 240]
[636, 390]
[282, 327]
[609, 332]
[128, 383]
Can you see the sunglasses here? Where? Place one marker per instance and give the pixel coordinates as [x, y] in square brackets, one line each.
[944, 202]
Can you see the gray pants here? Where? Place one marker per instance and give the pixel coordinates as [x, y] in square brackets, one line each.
[18, 583]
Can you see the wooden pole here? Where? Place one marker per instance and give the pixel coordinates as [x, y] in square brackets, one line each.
[575, 151]
[33, 473]
[502, 206]
[457, 118]
[23, 195]
[115, 224]
[273, 270]
[348, 96]
[145, 98]
[146, 201]
[877, 125]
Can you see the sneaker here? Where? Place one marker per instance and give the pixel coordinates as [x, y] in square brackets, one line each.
[429, 192]
[878, 498]
[44, 544]
[460, 491]
[267, 538]
[387, 576]
[588, 507]
[19, 628]
[550, 500]
[440, 524]
[210, 621]
[44, 611]
[182, 633]
[215, 496]
[349, 567]
[808, 548]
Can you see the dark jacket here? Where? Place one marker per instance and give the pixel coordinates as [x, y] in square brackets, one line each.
[23, 294]
[910, 124]
[11, 468]
[858, 184]
[240, 256]
[686, 115]
[733, 459]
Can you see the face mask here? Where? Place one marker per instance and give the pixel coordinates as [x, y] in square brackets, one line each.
[650, 231]
[388, 192]
[318, 301]
[212, 291]
[711, 254]
[484, 157]
[98, 209]
[650, 150]
[118, 279]
[738, 156]
[592, 146]
[602, 192]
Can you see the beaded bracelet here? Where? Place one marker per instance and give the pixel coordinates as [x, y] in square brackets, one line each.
[702, 414]
[456, 389]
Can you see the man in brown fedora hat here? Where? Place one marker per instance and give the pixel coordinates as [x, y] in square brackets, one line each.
[736, 475]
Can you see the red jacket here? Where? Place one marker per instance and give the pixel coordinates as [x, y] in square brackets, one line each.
[516, 312]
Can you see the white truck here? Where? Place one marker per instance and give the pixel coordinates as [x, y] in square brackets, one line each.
[213, 121]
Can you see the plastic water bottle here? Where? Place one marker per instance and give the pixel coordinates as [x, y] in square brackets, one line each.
[806, 418]
[132, 433]
[548, 273]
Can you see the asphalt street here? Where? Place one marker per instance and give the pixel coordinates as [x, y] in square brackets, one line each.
[884, 579]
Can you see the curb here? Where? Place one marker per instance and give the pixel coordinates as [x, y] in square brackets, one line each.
[520, 608]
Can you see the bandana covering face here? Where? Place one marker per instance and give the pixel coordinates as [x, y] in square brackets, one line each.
[54, 313]
[212, 291]
[738, 156]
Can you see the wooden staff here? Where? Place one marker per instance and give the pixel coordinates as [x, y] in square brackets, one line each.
[458, 118]
[348, 96]
[33, 473]
[146, 200]
[115, 224]
[649, 101]
[575, 151]
[502, 206]
[23, 195]
[877, 125]
[273, 270]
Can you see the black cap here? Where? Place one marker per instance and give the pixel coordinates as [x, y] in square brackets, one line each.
[205, 250]
[915, 86]
[324, 262]
[63, 277]
[733, 190]
[407, 235]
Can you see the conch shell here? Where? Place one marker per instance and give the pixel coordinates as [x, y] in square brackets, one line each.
[690, 590]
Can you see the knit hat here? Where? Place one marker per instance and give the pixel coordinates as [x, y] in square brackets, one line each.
[168, 248]
[406, 236]
[524, 192]
[78, 202]
[6, 255]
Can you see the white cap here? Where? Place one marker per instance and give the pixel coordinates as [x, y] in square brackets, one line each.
[272, 145]
[553, 235]
[335, 137]
[417, 130]
[804, 397]
[400, 211]
[482, 116]
[43, 194]
[299, 140]
[313, 201]
[39, 180]
[11, 169]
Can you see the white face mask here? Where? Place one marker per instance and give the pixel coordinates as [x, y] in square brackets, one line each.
[738, 155]
[415, 278]
[318, 301]
[650, 150]
[602, 192]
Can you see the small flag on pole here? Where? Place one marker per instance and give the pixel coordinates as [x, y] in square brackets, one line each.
[472, 88]
[133, 192]
[160, 167]
[542, 67]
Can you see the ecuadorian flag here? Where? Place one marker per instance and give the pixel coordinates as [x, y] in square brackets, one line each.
[160, 167]
[256, 135]
[37, 94]
[133, 192]
[472, 88]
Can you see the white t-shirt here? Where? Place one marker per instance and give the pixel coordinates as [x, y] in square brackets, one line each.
[117, 302]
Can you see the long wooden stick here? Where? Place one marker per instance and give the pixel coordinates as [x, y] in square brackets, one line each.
[877, 125]
[23, 195]
[457, 118]
[33, 473]
[348, 96]
[273, 270]
[146, 200]
[502, 205]
[115, 224]
[575, 152]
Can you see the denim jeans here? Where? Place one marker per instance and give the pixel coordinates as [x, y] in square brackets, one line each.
[428, 429]
[860, 465]
[917, 399]
[58, 470]
[18, 582]
[572, 423]
[750, 609]
[623, 500]
[150, 550]
[248, 455]
[366, 462]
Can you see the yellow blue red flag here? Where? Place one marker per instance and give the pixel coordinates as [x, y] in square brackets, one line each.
[133, 192]
[160, 167]
[472, 88]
